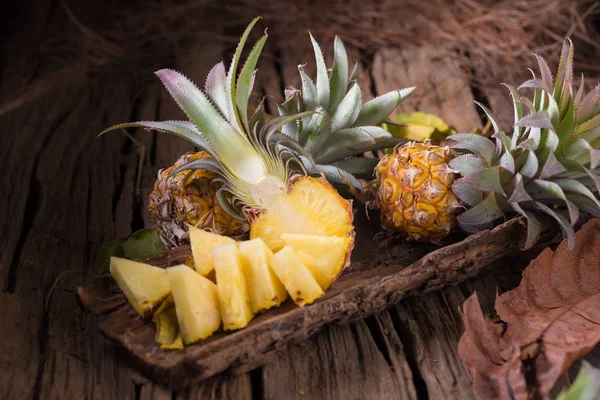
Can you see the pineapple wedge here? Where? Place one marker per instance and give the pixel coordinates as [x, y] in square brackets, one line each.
[196, 303]
[202, 243]
[231, 286]
[295, 276]
[325, 256]
[144, 286]
[265, 289]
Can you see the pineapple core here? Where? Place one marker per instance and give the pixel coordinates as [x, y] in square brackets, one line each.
[202, 243]
[323, 256]
[196, 303]
[264, 287]
[295, 276]
[144, 286]
[231, 286]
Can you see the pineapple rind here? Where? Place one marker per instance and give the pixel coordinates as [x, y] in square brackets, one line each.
[311, 207]
[324, 256]
[264, 287]
[231, 286]
[296, 277]
[196, 303]
[144, 285]
[202, 243]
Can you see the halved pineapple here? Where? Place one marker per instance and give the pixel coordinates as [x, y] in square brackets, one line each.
[202, 243]
[196, 303]
[144, 286]
[264, 288]
[295, 276]
[231, 286]
[311, 207]
[324, 256]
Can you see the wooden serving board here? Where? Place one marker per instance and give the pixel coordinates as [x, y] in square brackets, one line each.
[380, 276]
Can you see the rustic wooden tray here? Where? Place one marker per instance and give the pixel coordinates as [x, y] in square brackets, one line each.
[382, 273]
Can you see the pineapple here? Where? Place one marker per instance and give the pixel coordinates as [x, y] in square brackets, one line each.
[196, 303]
[231, 285]
[342, 127]
[295, 276]
[202, 243]
[550, 159]
[189, 199]
[144, 286]
[263, 180]
[324, 256]
[414, 191]
[265, 289]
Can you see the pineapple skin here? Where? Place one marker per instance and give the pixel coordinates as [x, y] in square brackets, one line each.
[144, 285]
[413, 188]
[264, 287]
[186, 200]
[196, 303]
[296, 277]
[236, 310]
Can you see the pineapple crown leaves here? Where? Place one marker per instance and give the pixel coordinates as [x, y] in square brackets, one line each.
[342, 126]
[244, 150]
[551, 157]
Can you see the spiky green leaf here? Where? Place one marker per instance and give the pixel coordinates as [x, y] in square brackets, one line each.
[322, 85]
[375, 111]
[347, 111]
[466, 164]
[482, 214]
[245, 80]
[477, 144]
[338, 82]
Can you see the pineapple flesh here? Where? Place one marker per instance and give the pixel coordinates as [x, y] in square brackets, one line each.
[311, 207]
[296, 277]
[144, 285]
[196, 303]
[202, 243]
[324, 256]
[264, 287]
[231, 286]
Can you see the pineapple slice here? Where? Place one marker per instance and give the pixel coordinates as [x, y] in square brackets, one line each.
[324, 256]
[296, 277]
[144, 286]
[196, 303]
[265, 289]
[311, 207]
[202, 243]
[231, 286]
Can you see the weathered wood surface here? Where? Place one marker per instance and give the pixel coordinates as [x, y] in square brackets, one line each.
[64, 192]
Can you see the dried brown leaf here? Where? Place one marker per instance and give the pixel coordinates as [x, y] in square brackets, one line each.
[550, 320]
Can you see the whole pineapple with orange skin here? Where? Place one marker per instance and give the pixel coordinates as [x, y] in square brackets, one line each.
[413, 191]
[189, 198]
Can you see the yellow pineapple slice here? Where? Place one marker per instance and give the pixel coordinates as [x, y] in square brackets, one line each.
[264, 287]
[324, 256]
[202, 243]
[231, 286]
[144, 286]
[295, 276]
[311, 207]
[196, 303]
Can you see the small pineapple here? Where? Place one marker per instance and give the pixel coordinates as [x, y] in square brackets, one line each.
[414, 191]
[551, 158]
[202, 243]
[264, 288]
[325, 256]
[188, 198]
[145, 286]
[296, 277]
[231, 285]
[196, 303]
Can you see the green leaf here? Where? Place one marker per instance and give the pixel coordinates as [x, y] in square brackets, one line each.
[586, 385]
[568, 231]
[490, 116]
[339, 74]
[347, 111]
[216, 89]
[565, 70]
[467, 164]
[360, 167]
[533, 226]
[590, 104]
[477, 144]
[351, 141]
[487, 180]
[567, 125]
[544, 71]
[112, 248]
[143, 244]
[245, 79]
[375, 111]
[323, 90]
[354, 73]
[482, 214]
[309, 91]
